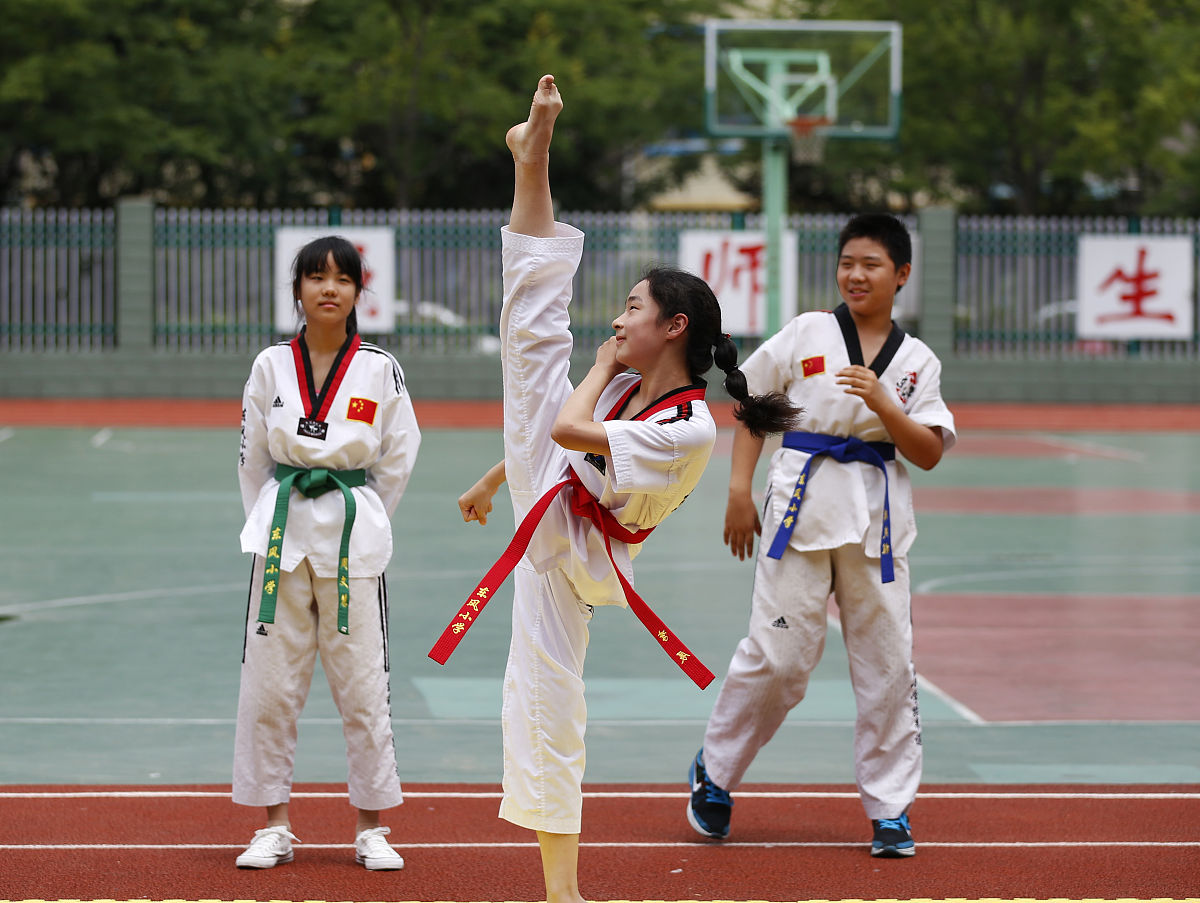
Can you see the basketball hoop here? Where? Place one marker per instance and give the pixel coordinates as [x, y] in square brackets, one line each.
[808, 139]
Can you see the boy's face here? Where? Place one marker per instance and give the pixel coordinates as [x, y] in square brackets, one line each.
[867, 277]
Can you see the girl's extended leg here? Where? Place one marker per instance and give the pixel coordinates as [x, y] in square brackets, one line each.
[544, 713]
[535, 327]
[533, 208]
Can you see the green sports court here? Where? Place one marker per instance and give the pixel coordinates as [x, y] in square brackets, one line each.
[1055, 610]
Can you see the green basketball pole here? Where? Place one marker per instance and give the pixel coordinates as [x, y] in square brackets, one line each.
[775, 179]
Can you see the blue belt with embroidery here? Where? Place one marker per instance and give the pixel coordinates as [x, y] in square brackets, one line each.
[844, 449]
[310, 483]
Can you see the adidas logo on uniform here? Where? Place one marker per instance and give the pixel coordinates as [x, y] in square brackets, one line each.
[277, 403]
[780, 622]
[262, 630]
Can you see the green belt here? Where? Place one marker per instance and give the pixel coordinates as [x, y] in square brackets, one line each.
[310, 483]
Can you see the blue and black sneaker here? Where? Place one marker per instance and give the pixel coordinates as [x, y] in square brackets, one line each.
[709, 807]
[893, 838]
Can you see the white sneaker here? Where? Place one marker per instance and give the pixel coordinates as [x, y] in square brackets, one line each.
[270, 846]
[375, 853]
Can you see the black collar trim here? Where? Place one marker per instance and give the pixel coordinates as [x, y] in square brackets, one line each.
[854, 347]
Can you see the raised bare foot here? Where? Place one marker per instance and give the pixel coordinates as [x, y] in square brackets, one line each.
[529, 141]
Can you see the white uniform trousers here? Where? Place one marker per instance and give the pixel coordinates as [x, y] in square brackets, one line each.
[769, 672]
[543, 713]
[277, 669]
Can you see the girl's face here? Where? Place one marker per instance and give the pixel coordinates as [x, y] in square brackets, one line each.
[327, 296]
[641, 334]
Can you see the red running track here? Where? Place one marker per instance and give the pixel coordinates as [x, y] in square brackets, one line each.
[788, 843]
[459, 414]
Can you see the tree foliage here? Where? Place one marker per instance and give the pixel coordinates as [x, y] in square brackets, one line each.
[1031, 106]
[1041, 106]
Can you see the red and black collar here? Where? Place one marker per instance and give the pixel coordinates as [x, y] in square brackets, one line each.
[673, 399]
[316, 405]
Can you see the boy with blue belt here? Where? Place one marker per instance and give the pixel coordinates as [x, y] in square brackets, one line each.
[837, 518]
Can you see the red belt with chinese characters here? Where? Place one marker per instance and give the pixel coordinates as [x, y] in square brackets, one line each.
[585, 505]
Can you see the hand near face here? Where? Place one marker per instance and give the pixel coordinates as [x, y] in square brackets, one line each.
[606, 357]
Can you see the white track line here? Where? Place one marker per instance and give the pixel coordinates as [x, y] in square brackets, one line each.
[617, 794]
[960, 708]
[623, 845]
[1105, 569]
[131, 596]
[332, 721]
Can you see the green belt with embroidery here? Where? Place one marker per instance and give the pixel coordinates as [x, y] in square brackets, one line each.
[310, 483]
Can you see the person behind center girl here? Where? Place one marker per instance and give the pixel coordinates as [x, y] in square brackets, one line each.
[838, 518]
[329, 440]
[640, 470]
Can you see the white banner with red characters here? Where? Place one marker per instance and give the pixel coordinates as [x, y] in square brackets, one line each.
[376, 244]
[1135, 287]
[734, 264]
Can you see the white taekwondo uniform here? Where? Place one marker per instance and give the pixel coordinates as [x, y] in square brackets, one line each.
[653, 465]
[835, 547]
[362, 419]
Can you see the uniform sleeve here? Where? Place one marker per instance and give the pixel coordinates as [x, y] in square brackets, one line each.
[769, 367]
[255, 465]
[400, 437]
[927, 407]
[650, 457]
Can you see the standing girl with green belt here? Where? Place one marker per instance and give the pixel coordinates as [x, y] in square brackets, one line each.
[329, 439]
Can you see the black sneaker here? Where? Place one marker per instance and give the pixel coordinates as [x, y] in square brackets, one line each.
[709, 807]
[893, 838]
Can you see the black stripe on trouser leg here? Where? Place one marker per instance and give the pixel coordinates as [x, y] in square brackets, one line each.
[249, 598]
[383, 621]
[383, 626]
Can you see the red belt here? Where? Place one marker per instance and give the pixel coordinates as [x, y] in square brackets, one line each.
[585, 505]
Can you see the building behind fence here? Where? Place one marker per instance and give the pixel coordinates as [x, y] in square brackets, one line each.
[145, 301]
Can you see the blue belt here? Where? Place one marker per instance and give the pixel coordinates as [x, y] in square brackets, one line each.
[844, 449]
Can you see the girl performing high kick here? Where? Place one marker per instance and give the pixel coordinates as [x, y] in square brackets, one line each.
[604, 462]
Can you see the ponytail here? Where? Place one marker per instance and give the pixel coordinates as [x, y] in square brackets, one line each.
[760, 414]
[677, 291]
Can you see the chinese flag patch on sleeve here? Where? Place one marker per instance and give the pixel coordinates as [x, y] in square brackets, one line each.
[811, 366]
[362, 409]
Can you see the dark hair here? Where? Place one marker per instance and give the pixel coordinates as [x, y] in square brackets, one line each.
[883, 228]
[677, 291]
[314, 258]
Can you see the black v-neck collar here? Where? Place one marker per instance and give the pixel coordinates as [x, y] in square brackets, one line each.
[854, 347]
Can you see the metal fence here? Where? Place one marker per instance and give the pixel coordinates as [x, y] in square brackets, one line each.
[1016, 288]
[57, 280]
[214, 279]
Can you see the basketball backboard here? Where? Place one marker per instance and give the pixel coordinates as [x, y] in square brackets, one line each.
[762, 75]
